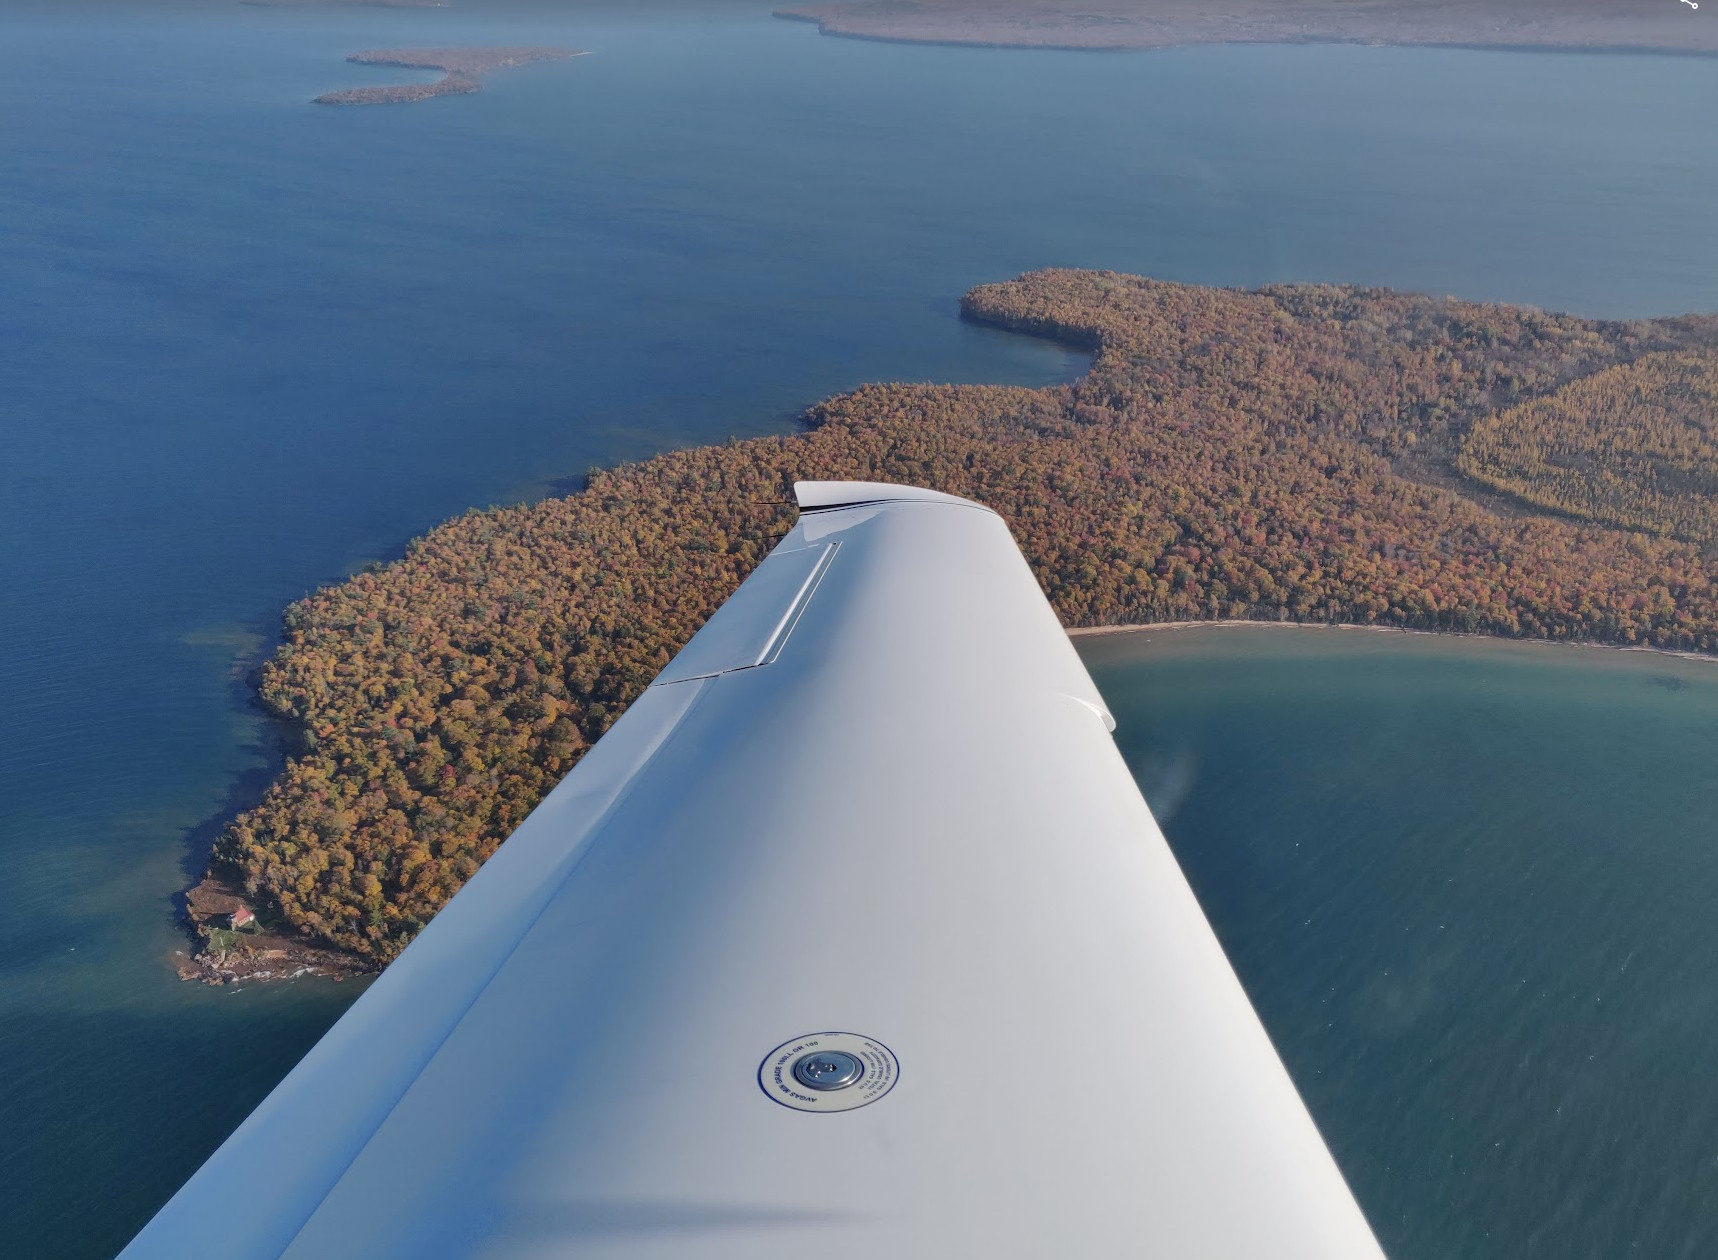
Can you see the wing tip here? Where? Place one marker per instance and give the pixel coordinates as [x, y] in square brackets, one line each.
[816, 496]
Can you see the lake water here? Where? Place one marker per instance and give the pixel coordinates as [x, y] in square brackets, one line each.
[248, 345]
[1469, 887]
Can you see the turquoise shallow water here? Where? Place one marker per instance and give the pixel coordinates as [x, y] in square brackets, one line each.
[1469, 887]
[248, 345]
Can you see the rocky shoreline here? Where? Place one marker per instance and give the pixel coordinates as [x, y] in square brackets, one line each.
[233, 945]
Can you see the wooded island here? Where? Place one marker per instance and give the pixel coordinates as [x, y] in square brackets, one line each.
[1294, 453]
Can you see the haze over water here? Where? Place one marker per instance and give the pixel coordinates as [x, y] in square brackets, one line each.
[248, 345]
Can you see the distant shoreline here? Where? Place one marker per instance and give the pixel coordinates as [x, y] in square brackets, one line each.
[1137, 25]
[348, 4]
[1084, 632]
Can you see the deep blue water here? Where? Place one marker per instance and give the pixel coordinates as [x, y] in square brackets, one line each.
[248, 345]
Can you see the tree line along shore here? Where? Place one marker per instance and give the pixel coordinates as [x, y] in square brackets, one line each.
[1298, 453]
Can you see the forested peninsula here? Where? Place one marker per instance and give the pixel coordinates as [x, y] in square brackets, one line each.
[1294, 453]
[1122, 24]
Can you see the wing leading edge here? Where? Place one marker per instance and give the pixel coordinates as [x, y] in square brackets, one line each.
[876, 795]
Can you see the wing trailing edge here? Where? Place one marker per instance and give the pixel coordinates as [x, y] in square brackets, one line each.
[869, 832]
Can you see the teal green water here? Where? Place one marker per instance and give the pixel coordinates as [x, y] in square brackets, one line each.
[1470, 888]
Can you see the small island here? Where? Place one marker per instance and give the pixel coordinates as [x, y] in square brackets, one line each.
[1133, 24]
[351, 4]
[1315, 454]
[463, 69]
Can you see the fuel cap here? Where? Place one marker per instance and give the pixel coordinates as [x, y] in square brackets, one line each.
[828, 1071]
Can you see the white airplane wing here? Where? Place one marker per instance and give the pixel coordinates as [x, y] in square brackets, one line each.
[853, 937]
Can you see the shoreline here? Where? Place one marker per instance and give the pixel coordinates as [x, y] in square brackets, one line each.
[1144, 25]
[1263, 41]
[1096, 632]
[233, 950]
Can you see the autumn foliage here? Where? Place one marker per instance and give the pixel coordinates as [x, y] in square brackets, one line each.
[1635, 445]
[1287, 453]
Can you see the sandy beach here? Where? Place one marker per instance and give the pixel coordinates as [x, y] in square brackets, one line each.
[1082, 632]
